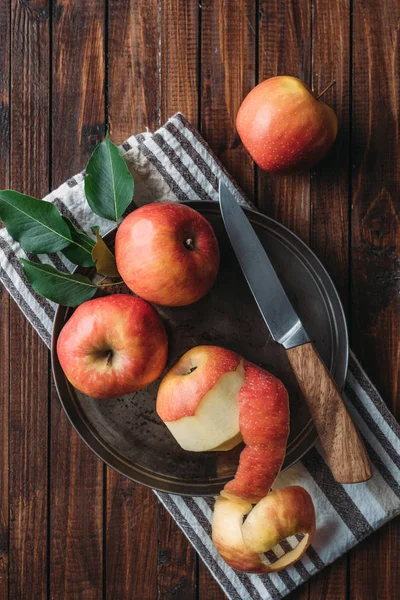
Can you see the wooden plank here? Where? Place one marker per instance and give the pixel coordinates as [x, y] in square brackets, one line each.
[331, 582]
[209, 589]
[228, 36]
[133, 49]
[177, 560]
[330, 179]
[4, 432]
[78, 109]
[131, 539]
[132, 510]
[179, 59]
[5, 8]
[228, 42]
[28, 440]
[330, 194]
[375, 247]
[285, 49]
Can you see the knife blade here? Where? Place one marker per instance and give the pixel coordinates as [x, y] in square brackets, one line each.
[274, 305]
[345, 451]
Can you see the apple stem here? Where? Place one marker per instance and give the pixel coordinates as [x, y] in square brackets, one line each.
[109, 357]
[328, 87]
[101, 285]
[191, 369]
[189, 244]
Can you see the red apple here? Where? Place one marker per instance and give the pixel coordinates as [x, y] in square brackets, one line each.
[284, 127]
[167, 253]
[112, 346]
[212, 398]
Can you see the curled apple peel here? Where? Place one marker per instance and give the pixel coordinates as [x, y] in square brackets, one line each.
[212, 399]
[282, 513]
[264, 426]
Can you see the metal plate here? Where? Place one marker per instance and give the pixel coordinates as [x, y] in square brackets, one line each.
[126, 432]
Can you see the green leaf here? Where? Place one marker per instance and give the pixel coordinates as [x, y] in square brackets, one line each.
[94, 229]
[105, 259]
[63, 288]
[80, 251]
[108, 182]
[36, 225]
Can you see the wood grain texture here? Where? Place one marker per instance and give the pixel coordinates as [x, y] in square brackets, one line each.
[285, 49]
[4, 433]
[5, 9]
[76, 475]
[330, 179]
[330, 583]
[131, 534]
[78, 108]
[177, 562]
[28, 391]
[179, 59]
[228, 34]
[133, 53]
[209, 589]
[133, 94]
[345, 452]
[375, 247]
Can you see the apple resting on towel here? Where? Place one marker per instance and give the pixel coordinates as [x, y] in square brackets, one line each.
[112, 346]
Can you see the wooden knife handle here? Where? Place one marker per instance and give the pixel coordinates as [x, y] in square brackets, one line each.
[345, 451]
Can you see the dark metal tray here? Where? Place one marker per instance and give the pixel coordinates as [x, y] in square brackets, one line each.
[126, 432]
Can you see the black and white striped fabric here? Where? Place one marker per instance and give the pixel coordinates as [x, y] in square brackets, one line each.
[176, 164]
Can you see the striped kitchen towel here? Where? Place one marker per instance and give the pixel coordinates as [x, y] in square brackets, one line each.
[176, 164]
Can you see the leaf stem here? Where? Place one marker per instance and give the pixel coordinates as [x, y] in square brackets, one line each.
[110, 284]
[83, 248]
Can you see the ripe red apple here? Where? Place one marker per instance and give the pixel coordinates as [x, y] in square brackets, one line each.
[284, 127]
[212, 398]
[112, 346]
[167, 253]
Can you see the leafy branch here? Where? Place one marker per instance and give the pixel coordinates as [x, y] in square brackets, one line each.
[40, 228]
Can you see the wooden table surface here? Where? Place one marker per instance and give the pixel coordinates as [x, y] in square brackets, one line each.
[69, 526]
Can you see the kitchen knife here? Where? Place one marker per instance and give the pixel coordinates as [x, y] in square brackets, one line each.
[345, 451]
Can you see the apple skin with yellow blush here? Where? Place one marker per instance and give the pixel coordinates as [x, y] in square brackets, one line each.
[112, 346]
[282, 513]
[167, 253]
[284, 127]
